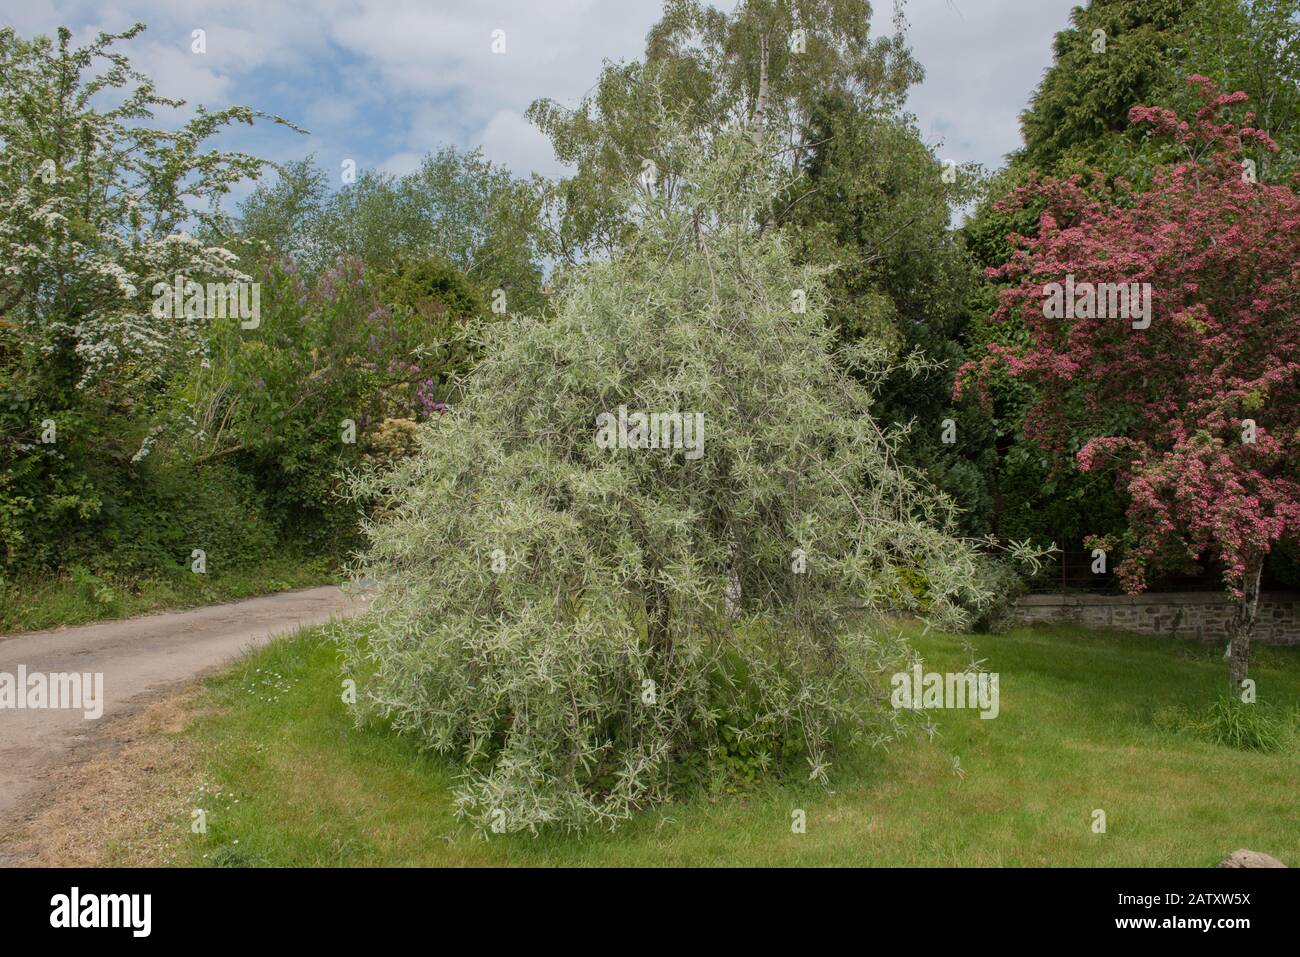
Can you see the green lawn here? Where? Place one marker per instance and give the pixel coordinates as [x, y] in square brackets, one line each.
[301, 786]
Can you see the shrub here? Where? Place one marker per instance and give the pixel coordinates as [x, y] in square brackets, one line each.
[292, 401]
[585, 627]
[1000, 579]
[443, 304]
[168, 508]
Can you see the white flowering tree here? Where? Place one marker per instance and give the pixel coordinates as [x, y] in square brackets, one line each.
[97, 205]
[552, 603]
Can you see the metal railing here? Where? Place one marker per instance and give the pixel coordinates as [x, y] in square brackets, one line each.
[1075, 570]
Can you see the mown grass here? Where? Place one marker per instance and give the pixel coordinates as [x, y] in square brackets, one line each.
[292, 782]
[78, 595]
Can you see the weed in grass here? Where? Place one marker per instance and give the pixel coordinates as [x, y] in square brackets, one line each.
[101, 594]
[1245, 726]
[1229, 723]
[231, 855]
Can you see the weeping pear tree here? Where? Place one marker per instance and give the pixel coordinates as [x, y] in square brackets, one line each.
[551, 605]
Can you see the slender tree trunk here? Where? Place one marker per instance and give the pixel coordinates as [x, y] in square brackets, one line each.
[732, 595]
[1243, 624]
[654, 596]
[760, 107]
[657, 613]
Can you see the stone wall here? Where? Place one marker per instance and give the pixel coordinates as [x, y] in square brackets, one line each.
[1206, 616]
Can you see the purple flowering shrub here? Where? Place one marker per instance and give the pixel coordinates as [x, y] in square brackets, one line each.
[296, 398]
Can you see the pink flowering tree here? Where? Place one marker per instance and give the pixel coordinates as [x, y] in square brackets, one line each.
[1162, 333]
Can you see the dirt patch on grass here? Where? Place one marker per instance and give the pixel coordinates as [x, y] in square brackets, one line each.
[128, 805]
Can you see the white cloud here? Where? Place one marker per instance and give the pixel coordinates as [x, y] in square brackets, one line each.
[982, 60]
[183, 75]
[399, 164]
[511, 140]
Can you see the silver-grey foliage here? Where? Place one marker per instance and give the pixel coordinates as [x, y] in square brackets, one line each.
[585, 679]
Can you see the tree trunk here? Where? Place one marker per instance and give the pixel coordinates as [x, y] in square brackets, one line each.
[1243, 625]
[760, 107]
[731, 596]
[732, 593]
[657, 614]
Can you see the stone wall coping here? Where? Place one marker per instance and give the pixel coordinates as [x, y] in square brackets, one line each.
[1056, 599]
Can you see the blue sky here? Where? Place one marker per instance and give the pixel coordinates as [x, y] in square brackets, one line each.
[382, 82]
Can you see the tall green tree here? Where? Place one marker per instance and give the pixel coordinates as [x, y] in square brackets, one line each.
[874, 206]
[1113, 55]
[1252, 46]
[765, 65]
[457, 207]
